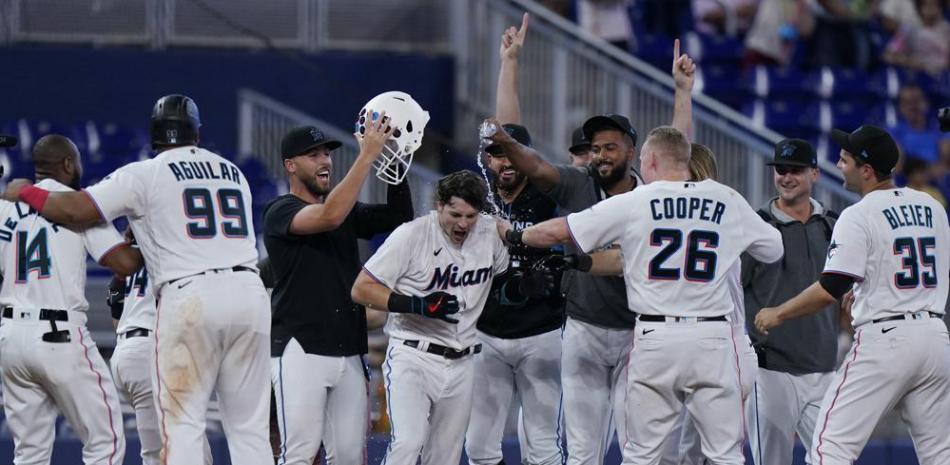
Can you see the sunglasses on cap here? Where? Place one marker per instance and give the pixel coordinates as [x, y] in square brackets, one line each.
[782, 170]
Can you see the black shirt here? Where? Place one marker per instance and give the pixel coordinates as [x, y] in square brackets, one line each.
[536, 316]
[313, 274]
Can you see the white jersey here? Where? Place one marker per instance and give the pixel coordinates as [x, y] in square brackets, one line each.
[419, 259]
[680, 242]
[737, 294]
[190, 210]
[895, 244]
[138, 311]
[44, 264]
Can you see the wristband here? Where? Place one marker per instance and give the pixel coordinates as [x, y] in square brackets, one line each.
[514, 237]
[584, 262]
[34, 196]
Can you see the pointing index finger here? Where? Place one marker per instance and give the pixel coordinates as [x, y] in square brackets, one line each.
[524, 24]
[676, 49]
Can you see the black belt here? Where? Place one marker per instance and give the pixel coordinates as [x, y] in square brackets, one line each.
[446, 352]
[677, 319]
[45, 314]
[214, 270]
[904, 317]
[137, 332]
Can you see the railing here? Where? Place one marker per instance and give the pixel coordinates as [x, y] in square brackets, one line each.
[567, 75]
[262, 121]
[403, 25]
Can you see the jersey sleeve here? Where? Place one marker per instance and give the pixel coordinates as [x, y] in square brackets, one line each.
[501, 257]
[600, 225]
[391, 260]
[121, 193]
[572, 180]
[101, 239]
[764, 241]
[280, 215]
[848, 251]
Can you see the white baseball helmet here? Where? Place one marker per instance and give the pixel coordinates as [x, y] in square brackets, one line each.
[408, 121]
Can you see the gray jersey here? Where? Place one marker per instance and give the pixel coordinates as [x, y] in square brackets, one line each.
[768, 285]
[598, 300]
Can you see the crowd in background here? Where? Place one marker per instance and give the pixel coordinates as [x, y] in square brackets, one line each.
[912, 36]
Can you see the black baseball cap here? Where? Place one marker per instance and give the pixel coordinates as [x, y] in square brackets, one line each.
[871, 145]
[303, 139]
[517, 132]
[794, 152]
[7, 141]
[578, 141]
[609, 121]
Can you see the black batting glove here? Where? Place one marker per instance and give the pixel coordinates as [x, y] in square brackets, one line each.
[116, 297]
[437, 305]
[578, 262]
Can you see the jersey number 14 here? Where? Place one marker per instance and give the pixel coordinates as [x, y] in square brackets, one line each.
[32, 255]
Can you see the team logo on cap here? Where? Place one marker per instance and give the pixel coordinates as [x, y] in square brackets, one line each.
[316, 134]
[865, 154]
[787, 151]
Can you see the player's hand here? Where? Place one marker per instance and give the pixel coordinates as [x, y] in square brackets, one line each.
[567, 262]
[538, 283]
[512, 40]
[115, 298]
[12, 192]
[501, 136]
[766, 319]
[440, 305]
[375, 136]
[503, 226]
[684, 69]
[437, 305]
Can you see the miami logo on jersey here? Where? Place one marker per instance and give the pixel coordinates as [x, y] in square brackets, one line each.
[450, 277]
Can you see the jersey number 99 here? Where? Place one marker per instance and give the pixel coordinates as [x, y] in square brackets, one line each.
[700, 263]
[200, 205]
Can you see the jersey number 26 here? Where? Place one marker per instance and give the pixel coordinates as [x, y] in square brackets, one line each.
[700, 261]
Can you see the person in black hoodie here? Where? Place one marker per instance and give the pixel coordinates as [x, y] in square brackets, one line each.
[797, 359]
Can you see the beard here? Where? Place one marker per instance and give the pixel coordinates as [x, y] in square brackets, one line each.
[314, 188]
[510, 184]
[615, 175]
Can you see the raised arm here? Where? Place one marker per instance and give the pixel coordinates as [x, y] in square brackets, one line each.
[543, 235]
[684, 75]
[329, 215]
[507, 105]
[539, 171]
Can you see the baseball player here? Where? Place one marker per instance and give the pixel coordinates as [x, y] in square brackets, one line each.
[434, 275]
[797, 359]
[318, 335]
[50, 363]
[190, 210]
[893, 249]
[681, 239]
[521, 341]
[598, 330]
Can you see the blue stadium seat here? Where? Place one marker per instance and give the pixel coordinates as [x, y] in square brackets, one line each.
[655, 49]
[790, 83]
[715, 49]
[727, 84]
[849, 114]
[856, 84]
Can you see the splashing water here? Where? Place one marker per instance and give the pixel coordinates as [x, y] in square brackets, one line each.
[486, 130]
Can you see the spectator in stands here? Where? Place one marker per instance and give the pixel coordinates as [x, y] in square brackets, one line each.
[728, 17]
[919, 177]
[607, 19]
[841, 37]
[916, 130]
[924, 46]
[775, 31]
[893, 14]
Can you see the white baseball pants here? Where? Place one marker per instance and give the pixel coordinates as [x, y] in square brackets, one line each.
[781, 405]
[530, 366]
[41, 379]
[691, 364]
[429, 402]
[317, 395]
[132, 364]
[213, 334]
[902, 364]
[593, 376]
